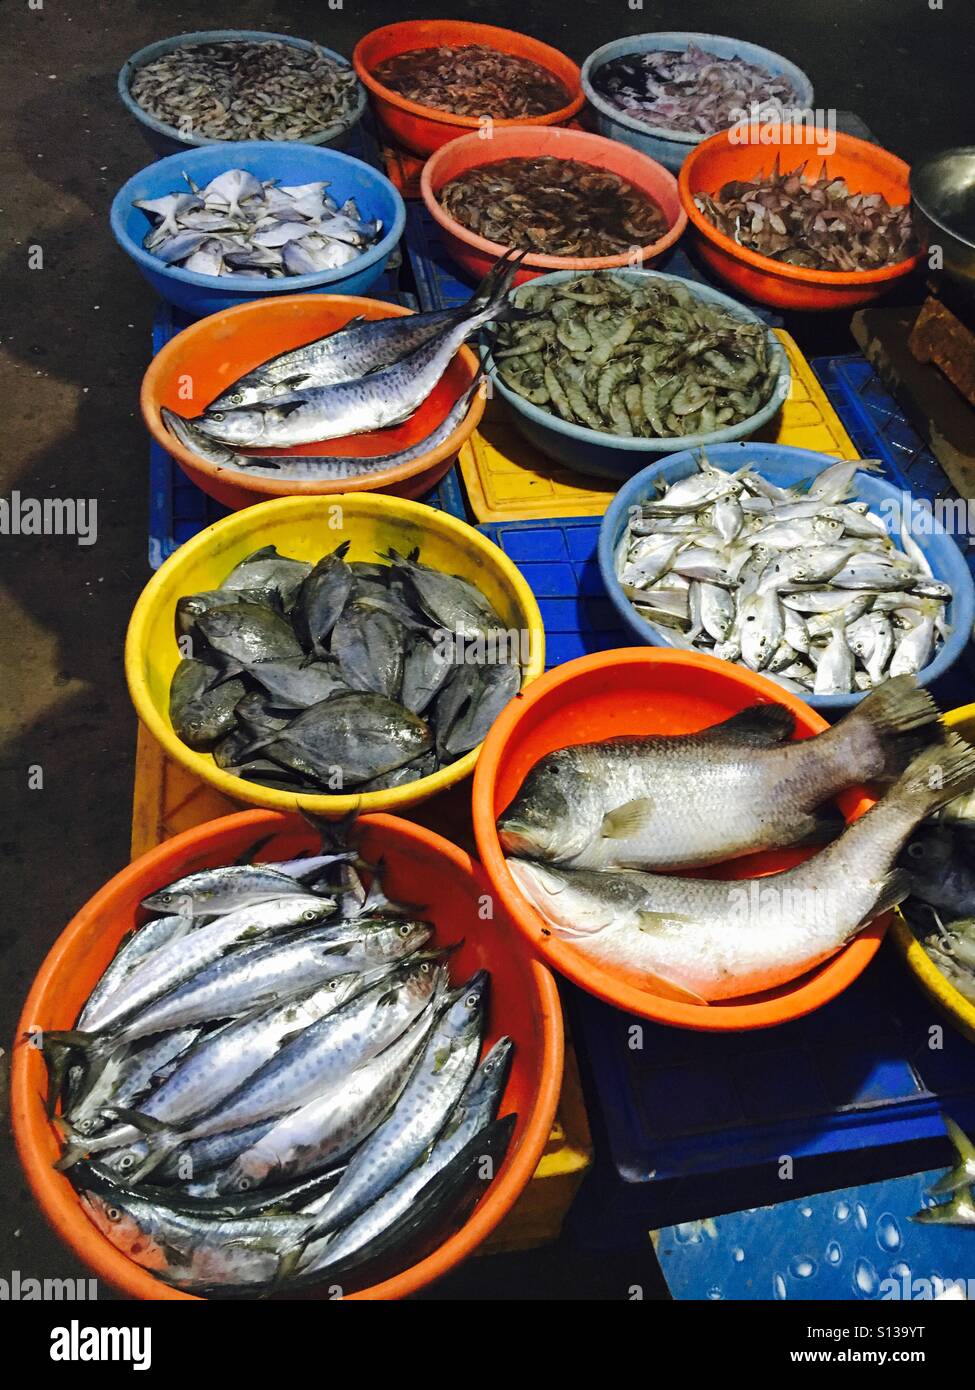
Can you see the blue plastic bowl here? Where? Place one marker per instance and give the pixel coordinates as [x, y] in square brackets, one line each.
[615, 456]
[166, 139]
[671, 147]
[290, 163]
[785, 466]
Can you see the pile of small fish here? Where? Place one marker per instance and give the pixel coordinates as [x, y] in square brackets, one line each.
[590, 822]
[368, 375]
[243, 90]
[941, 909]
[339, 675]
[647, 359]
[473, 80]
[958, 1185]
[273, 1083]
[556, 207]
[799, 582]
[816, 223]
[241, 225]
[690, 90]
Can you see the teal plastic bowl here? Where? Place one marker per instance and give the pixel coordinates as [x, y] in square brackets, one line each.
[615, 456]
[671, 147]
[167, 139]
[785, 467]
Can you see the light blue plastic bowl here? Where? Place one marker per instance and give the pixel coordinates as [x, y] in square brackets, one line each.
[616, 456]
[671, 147]
[289, 163]
[786, 466]
[167, 139]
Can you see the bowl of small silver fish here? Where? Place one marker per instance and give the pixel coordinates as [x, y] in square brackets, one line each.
[807, 569]
[335, 653]
[663, 93]
[212, 228]
[934, 928]
[273, 1058]
[223, 85]
[603, 368]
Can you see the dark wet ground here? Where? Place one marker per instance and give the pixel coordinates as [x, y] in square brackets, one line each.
[75, 345]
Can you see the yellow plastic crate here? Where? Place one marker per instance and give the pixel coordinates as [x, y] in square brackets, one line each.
[167, 800]
[509, 480]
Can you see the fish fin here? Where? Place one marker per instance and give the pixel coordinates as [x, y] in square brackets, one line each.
[963, 1172]
[894, 889]
[148, 1124]
[670, 989]
[253, 850]
[630, 819]
[57, 1039]
[820, 827]
[901, 715]
[936, 776]
[760, 725]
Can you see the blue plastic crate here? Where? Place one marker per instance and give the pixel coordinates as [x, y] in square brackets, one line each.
[441, 284]
[693, 1124]
[558, 559]
[178, 509]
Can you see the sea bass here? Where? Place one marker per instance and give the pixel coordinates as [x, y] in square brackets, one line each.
[692, 799]
[708, 939]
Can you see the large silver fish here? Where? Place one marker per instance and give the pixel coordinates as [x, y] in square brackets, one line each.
[740, 786]
[709, 939]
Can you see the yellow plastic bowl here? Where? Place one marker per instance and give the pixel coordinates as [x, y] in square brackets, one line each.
[307, 528]
[948, 1000]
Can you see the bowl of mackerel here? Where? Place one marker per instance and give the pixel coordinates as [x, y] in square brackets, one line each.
[406, 679]
[669, 866]
[928, 615]
[446, 887]
[600, 382]
[233, 362]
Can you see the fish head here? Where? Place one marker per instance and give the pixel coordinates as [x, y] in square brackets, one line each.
[125, 1223]
[465, 1007]
[171, 901]
[553, 816]
[929, 851]
[394, 943]
[570, 899]
[488, 1082]
[237, 426]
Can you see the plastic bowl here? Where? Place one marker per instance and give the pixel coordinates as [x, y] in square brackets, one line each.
[671, 147]
[424, 129]
[639, 691]
[786, 466]
[167, 139]
[214, 352]
[592, 451]
[307, 528]
[950, 1002]
[420, 867]
[867, 169]
[288, 162]
[476, 254]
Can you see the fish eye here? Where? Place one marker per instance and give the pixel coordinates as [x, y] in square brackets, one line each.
[916, 851]
[243, 1184]
[126, 1162]
[236, 398]
[471, 1000]
[425, 967]
[113, 1214]
[166, 897]
[405, 929]
[309, 916]
[217, 415]
[333, 984]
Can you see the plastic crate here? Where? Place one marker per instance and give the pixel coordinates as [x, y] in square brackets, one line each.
[688, 1125]
[507, 479]
[178, 509]
[167, 800]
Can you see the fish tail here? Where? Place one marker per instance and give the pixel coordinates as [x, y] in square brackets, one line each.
[963, 1173]
[488, 287]
[899, 718]
[936, 776]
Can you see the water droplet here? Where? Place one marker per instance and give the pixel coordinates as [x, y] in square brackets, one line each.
[715, 1293]
[688, 1233]
[861, 1216]
[738, 1255]
[900, 1270]
[778, 1287]
[805, 1211]
[888, 1233]
[866, 1281]
[834, 1253]
[842, 1211]
[802, 1267]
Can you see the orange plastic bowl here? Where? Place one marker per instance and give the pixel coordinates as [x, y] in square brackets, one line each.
[636, 691]
[195, 366]
[421, 868]
[476, 254]
[867, 169]
[424, 129]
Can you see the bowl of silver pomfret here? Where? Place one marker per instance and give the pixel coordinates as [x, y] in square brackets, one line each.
[220, 85]
[605, 368]
[813, 571]
[337, 653]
